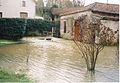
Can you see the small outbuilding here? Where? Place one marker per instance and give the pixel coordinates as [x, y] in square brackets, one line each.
[70, 28]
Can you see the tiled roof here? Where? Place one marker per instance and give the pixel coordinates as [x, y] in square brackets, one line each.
[98, 7]
[62, 10]
[104, 7]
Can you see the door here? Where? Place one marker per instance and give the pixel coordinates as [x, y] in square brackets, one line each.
[77, 30]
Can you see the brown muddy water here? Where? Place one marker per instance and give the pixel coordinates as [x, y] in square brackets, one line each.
[57, 61]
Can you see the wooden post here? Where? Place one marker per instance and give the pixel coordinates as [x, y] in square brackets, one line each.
[52, 31]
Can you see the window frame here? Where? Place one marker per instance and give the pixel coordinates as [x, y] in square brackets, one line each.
[22, 15]
[23, 3]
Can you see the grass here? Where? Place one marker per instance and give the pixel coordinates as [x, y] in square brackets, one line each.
[6, 42]
[9, 42]
[6, 76]
[12, 77]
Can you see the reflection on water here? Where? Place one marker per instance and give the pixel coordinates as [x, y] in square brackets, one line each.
[57, 61]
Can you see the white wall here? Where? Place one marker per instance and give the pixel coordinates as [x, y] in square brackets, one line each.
[12, 8]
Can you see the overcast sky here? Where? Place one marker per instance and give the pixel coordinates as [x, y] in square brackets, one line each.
[103, 1]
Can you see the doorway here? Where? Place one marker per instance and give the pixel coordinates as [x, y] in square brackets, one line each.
[77, 30]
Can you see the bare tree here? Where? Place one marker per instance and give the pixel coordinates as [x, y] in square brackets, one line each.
[39, 8]
[94, 36]
[89, 47]
[66, 3]
[78, 3]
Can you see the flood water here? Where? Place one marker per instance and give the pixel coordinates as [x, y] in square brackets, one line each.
[57, 61]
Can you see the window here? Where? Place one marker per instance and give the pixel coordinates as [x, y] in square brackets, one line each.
[23, 14]
[0, 14]
[23, 3]
[64, 26]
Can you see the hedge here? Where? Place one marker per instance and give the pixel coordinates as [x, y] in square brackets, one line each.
[11, 28]
[16, 28]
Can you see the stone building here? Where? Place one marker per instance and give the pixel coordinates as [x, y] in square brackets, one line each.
[108, 14]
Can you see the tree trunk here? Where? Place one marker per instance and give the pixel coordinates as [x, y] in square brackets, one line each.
[90, 64]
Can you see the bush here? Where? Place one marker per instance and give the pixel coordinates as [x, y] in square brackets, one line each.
[11, 28]
[16, 28]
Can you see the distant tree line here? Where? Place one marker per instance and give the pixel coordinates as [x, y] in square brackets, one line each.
[46, 10]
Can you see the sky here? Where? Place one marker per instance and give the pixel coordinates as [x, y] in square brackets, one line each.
[103, 1]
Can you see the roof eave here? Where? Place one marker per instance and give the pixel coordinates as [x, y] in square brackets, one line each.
[117, 13]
